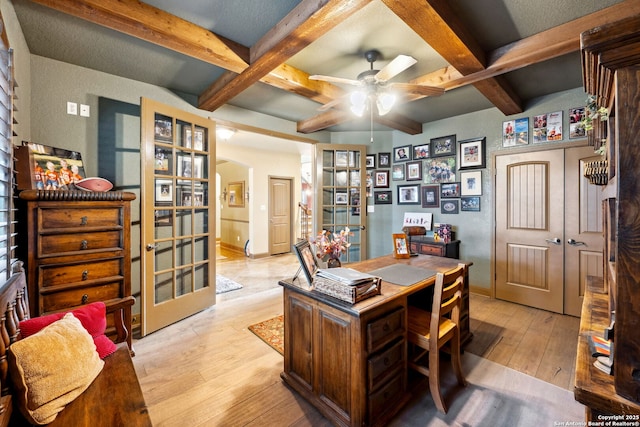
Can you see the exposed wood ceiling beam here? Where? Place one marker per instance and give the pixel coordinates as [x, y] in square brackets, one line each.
[159, 27]
[543, 46]
[307, 22]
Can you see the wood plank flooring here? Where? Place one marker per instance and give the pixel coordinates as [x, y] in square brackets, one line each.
[210, 370]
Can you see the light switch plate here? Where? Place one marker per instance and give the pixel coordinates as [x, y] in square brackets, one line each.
[72, 108]
[85, 110]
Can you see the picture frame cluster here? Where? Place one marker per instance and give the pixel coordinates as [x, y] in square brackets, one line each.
[443, 173]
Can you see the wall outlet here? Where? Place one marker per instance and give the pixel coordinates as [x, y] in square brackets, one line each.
[85, 110]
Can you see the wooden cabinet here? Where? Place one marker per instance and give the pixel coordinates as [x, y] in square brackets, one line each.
[611, 68]
[427, 246]
[353, 368]
[77, 249]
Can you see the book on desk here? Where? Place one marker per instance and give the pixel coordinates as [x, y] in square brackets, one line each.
[346, 284]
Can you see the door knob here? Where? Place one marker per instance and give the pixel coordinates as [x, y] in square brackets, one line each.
[573, 242]
[555, 241]
[151, 247]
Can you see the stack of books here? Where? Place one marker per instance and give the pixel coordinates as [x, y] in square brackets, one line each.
[601, 350]
[346, 284]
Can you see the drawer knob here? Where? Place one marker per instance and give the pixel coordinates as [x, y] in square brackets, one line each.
[83, 220]
[84, 244]
[386, 327]
[85, 298]
[85, 274]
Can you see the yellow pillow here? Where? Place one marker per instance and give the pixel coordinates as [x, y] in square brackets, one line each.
[53, 367]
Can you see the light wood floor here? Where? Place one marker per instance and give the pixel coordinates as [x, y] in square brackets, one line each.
[210, 370]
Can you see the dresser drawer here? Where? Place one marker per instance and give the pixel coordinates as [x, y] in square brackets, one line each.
[381, 400]
[432, 250]
[74, 296]
[61, 274]
[74, 218]
[381, 366]
[384, 330]
[62, 244]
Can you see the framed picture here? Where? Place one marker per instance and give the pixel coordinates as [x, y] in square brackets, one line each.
[449, 206]
[342, 158]
[440, 170]
[198, 198]
[409, 194]
[471, 183]
[369, 182]
[198, 139]
[354, 178]
[381, 179]
[236, 194]
[539, 128]
[450, 189]
[308, 262]
[576, 127]
[41, 167]
[342, 198]
[163, 161]
[371, 161]
[470, 204]
[185, 168]
[397, 172]
[421, 151]
[186, 197]
[431, 196]
[163, 217]
[163, 128]
[164, 190]
[414, 171]
[382, 198]
[443, 146]
[384, 160]
[341, 178]
[554, 126]
[186, 136]
[400, 246]
[471, 154]
[401, 154]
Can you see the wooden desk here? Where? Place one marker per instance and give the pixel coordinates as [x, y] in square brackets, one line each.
[593, 388]
[350, 361]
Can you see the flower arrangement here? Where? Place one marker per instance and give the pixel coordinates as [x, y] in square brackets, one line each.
[331, 245]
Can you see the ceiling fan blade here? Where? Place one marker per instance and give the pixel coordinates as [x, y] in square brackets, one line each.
[335, 80]
[395, 67]
[414, 89]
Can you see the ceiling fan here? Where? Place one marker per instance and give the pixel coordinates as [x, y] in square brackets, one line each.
[374, 86]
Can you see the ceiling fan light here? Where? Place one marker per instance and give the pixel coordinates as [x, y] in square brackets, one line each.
[358, 102]
[225, 133]
[384, 102]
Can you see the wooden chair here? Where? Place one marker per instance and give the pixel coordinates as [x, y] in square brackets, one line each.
[429, 331]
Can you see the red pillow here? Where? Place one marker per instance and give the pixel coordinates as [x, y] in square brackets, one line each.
[92, 316]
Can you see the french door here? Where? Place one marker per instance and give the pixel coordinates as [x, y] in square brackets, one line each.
[341, 195]
[177, 222]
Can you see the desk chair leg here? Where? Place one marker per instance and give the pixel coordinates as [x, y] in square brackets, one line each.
[455, 359]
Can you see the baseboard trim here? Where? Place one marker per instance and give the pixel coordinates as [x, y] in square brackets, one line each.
[480, 291]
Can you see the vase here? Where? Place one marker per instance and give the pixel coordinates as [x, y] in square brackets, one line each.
[333, 263]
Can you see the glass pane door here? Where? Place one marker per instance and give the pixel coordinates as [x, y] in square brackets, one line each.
[179, 236]
[342, 199]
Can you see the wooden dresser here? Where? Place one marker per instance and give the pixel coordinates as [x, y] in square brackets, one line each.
[77, 248]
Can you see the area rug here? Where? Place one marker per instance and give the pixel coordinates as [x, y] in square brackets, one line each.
[495, 395]
[224, 284]
[272, 332]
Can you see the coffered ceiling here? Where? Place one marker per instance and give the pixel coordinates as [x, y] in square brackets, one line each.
[258, 54]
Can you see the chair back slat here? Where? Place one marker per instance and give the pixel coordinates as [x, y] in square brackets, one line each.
[447, 297]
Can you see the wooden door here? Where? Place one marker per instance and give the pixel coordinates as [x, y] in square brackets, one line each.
[280, 200]
[529, 229]
[178, 225]
[341, 185]
[583, 228]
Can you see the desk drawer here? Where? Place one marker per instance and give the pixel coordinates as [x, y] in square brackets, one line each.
[381, 400]
[63, 244]
[74, 218]
[381, 366]
[432, 250]
[66, 297]
[384, 330]
[67, 274]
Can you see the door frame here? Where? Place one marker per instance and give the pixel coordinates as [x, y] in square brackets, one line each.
[291, 207]
[518, 150]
